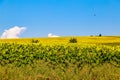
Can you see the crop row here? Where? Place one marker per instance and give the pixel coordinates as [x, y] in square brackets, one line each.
[23, 54]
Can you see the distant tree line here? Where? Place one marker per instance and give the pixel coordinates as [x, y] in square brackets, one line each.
[97, 35]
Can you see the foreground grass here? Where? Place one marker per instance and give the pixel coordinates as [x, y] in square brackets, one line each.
[45, 71]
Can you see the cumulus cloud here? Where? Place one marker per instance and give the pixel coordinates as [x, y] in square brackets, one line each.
[13, 32]
[52, 35]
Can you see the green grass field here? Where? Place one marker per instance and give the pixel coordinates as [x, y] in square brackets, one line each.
[91, 58]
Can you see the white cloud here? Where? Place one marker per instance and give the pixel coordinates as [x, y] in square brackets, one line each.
[13, 32]
[52, 35]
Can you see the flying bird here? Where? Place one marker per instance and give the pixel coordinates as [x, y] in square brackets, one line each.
[94, 15]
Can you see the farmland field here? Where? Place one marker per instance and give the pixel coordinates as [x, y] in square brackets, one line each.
[91, 58]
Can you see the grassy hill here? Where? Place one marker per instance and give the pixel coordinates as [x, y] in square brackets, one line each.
[64, 40]
[91, 58]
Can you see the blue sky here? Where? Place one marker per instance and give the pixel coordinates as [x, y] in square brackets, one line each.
[61, 17]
